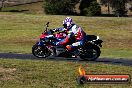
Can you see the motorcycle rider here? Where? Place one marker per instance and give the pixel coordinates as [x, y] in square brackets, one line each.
[72, 31]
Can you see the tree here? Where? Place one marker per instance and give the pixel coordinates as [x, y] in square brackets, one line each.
[93, 10]
[60, 7]
[89, 8]
[130, 3]
[2, 4]
[106, 3]
[118, 5]
[83, 5]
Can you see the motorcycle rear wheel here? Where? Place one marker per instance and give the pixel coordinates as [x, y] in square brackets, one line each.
[40, 52]
[90, 54]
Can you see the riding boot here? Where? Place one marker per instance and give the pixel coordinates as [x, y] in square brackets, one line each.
[74, 52]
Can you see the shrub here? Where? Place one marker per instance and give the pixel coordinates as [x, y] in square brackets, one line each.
[94, 9]
[120, 12]
[60, 7]
[83, 5]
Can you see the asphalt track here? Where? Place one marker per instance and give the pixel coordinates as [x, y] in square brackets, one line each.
[120, 61]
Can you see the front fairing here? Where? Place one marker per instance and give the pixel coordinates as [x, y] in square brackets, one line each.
[43, 37]
[40, 43]
[45, 33]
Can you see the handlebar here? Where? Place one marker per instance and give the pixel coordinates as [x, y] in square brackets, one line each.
[53, 30]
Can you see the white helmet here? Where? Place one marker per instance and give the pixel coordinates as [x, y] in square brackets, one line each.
[67, 23]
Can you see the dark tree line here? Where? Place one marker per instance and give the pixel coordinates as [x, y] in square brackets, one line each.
[87, 7]
[67, 7]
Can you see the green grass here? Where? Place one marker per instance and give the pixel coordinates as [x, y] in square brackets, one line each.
[117, 53]
[54, 74]
[18, 32]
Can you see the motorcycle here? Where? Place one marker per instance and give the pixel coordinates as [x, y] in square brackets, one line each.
[47, 46]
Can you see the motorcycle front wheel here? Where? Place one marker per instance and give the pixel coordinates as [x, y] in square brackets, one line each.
[40, 51]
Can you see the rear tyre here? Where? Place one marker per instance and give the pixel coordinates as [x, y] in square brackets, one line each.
[40, 52]
[90, 54]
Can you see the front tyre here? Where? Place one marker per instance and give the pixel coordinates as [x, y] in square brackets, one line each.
[90, 54]
[40, 52]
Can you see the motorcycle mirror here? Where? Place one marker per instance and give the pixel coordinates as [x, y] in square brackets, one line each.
[47, 25]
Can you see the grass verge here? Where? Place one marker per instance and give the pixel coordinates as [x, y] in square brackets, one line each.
[54, 74]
